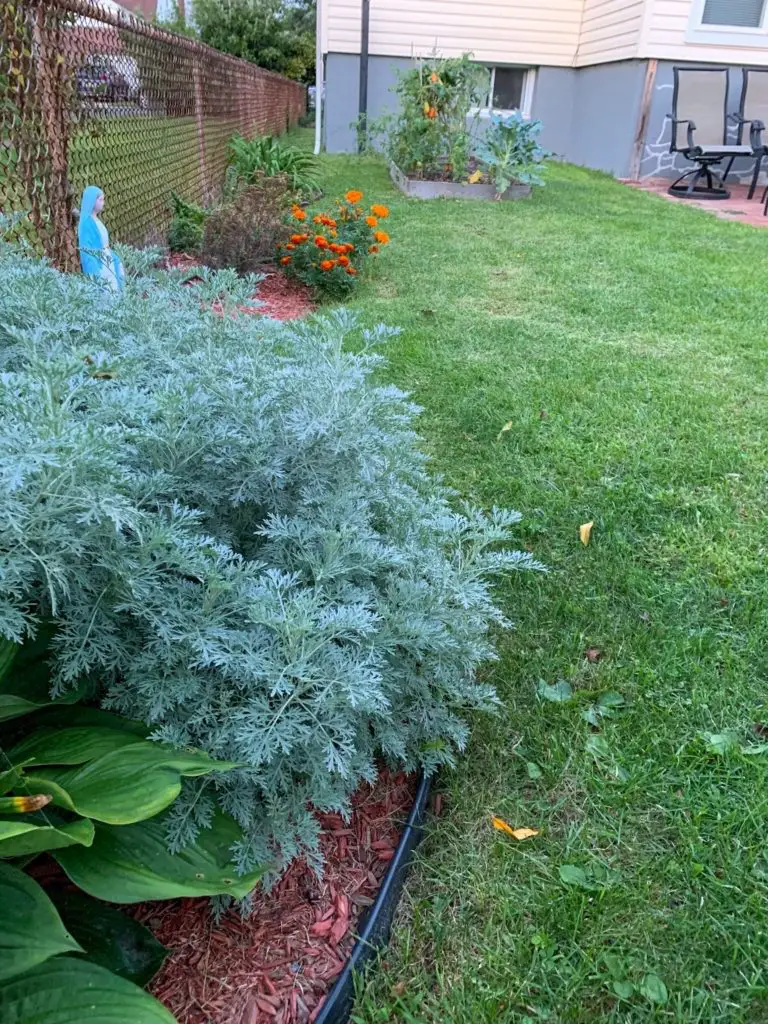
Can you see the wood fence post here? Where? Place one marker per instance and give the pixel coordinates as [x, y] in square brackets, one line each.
[642, 120]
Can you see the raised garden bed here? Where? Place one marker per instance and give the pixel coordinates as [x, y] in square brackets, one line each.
[419, 188]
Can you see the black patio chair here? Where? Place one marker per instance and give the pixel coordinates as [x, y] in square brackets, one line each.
[753, 111]
[700, 132]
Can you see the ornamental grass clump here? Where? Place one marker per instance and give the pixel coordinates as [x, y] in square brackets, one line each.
[329, 252]
[234, 527]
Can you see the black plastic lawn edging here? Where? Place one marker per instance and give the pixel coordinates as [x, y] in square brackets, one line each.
[374, 929]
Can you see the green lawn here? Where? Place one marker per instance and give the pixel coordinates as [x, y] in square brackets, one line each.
[624, 338]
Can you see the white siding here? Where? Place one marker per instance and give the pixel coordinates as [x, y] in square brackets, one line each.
[666, 34]
[494, 31]
[610, 30]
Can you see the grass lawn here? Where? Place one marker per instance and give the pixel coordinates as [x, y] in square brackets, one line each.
[624, 339]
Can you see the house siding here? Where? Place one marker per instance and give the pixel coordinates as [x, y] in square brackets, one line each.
[666, 32]
[610, 30]
[528, 32]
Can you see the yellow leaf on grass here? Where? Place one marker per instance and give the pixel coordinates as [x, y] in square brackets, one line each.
[474, 178]
[517, 833]
[585, 532]
[507, 426]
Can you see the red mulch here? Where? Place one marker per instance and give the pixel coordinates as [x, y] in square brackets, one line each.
[277, 965]
[281, 297]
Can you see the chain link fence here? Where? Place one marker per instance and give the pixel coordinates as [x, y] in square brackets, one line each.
[90, 95]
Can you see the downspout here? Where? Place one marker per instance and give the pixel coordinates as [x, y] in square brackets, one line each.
[362, 121]
[319, 78]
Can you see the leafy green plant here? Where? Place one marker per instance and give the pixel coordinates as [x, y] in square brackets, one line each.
[187, 226]
[42, 977]
[244, 231]
[266, 155]
[430, 136]
[76, 777]
[232, 524]
[331, 256]
[510, 151]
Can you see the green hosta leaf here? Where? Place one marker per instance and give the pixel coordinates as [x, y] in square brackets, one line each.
[76, 745]
[10, 779]
[654, 989]
[110, 938]
[14, 704]
[560, 693]
[131, 864]
[66, 990]
[31, 930]
[126, 785]
[8, 650]
[27, 838]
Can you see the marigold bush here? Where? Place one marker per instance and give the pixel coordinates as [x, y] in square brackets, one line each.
[234, 527]
[329, 251]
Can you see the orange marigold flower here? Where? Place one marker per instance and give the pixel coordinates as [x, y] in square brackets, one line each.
[380, 211]
[333, 234]
[353, 196]
[321, 242]
[328, 264]
[433, 78]
[290, 247]
[432, 113]
[298, 213]
[351, 271]
[335, 247]
[348, 247]
[381, 237]
[318, 218]
[285, 261]
[373, 248]
[298, 239]
[343, 261]
[371, 222]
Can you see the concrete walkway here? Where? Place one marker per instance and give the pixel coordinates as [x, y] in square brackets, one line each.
[738, 207]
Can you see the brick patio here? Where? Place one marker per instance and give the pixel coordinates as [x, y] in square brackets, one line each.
[738, 207]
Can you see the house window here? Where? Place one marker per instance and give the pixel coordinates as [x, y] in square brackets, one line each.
[728, 22]
[511, 89]
[734, 13]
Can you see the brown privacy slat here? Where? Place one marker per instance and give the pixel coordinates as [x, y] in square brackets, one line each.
[94, 96]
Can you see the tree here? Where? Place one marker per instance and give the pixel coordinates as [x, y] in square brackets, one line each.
[275, 34]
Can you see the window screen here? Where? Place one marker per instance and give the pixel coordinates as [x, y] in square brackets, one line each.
[508, 88]
[736, 13]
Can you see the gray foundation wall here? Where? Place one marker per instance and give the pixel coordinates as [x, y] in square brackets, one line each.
[576, 106]
[589, 115]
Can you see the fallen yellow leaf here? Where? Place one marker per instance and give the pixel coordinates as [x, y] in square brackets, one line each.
[517, 833]
[585, 532]
[507, 426]
[474, 178]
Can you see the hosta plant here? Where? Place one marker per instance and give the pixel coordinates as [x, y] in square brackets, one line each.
[328, 251]
[233, 526]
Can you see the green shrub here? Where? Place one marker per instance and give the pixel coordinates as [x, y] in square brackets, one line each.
[244, 231]
[234, 527]
[187, 226]
[266, 155]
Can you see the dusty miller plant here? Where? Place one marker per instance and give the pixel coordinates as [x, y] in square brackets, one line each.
[236, 530]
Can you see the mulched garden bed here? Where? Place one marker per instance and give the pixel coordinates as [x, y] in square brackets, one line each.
[280, 297]
[277, 965]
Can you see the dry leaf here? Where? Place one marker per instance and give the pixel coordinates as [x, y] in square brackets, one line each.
[507, 426]
[585, 532]
[474, 178]
[594, 654]
[517, 833]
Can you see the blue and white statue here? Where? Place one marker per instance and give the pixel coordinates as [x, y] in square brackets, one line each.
[96, 258]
